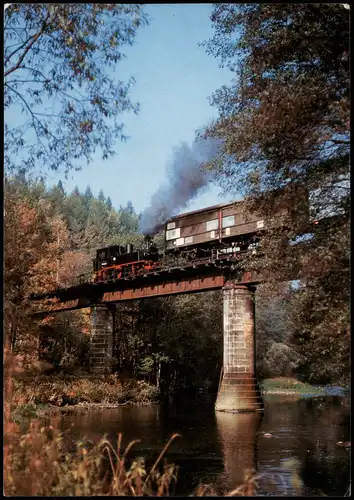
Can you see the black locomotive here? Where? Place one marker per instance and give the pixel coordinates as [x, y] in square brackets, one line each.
[116, 262]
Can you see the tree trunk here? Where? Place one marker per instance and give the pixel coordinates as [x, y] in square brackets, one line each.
[158, 375]
[13, 333]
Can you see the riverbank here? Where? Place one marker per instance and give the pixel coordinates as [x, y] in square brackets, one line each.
[42, 395]
[292, 387]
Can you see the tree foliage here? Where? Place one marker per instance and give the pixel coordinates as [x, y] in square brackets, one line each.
[174, 342]
[275, 354]
[34, 244]
[59, 64]
[284, 127]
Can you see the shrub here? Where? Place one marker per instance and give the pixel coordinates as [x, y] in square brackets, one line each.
[279, 360]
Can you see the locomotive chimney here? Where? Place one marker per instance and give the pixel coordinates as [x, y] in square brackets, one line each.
[129, 248]
[147, 241]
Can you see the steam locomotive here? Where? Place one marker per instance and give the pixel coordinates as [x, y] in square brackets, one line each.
[216, 231]
[116, 262]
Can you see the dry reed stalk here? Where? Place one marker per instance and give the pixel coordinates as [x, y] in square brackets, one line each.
[248, 488]
[160, 456]
[9, 427]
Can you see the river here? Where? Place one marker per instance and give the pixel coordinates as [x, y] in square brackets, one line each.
[217, 447]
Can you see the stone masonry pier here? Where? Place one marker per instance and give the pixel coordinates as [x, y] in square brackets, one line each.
[102, 326]
[239, 390]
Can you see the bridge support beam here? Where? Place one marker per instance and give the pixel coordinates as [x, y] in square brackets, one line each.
[102, 328]
[239, 390]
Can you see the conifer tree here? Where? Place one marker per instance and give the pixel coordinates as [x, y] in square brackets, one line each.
[101, 196]
[109, 203]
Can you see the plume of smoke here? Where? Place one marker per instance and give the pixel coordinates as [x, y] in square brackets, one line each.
[185, 180]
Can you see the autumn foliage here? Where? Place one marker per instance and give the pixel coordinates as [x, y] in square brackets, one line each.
[283, 124]
[37, 258]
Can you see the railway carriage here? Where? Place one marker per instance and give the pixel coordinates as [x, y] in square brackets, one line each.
[224, 228]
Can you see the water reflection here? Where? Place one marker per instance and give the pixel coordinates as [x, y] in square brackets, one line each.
[302, 456]
[134, 423]
[238, 436]
[305, 433]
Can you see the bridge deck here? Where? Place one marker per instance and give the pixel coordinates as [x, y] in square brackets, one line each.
[202, 275]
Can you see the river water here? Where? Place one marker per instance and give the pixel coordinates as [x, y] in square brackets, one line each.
[216, 447]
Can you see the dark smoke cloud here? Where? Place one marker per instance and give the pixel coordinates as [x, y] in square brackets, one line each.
[185, 180]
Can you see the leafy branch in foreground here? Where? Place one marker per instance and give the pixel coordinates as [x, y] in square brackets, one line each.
[59, 68]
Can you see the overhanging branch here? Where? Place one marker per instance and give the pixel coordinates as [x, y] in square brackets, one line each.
[33, 39]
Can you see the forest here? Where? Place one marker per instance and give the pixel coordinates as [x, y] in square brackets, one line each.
[268, 144]
[280, 127]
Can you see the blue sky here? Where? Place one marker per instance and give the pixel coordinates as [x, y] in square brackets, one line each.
[174, 78]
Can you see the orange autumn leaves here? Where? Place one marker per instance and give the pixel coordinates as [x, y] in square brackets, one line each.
[37, 256]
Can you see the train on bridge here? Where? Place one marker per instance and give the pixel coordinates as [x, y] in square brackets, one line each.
[215, 232]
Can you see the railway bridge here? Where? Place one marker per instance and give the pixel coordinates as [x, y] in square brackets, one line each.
[238, 390]
[233, 229]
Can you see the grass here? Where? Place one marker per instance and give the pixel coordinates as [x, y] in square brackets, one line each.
[288, 385]
[39, 463]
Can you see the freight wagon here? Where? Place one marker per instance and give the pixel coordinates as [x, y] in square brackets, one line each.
[226, 228]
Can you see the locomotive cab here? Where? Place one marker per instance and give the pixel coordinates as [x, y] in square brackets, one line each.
[107, 257]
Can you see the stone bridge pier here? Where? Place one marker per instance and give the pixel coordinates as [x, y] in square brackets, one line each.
[102, 330]
[239, 389]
